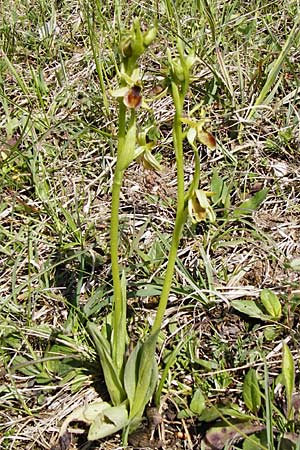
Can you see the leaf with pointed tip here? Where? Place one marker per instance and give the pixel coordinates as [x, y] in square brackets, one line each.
[250, 205]
[250, 308]
[251, 391]
[147, 376]
[212, 413]
[128, 150]
[130, 374]
[288, 372]
[271, 303]
[197, 404]
[112, 380]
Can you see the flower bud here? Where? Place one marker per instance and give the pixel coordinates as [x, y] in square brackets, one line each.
[178, 71]
[125, 47]
[190, 60]
[149, 36]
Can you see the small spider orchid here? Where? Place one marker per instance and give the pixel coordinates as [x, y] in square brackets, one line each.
[197, 130]
[147, 140]
[132, 91]
[199, 207]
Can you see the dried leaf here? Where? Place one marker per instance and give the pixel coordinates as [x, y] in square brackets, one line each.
[217, 437]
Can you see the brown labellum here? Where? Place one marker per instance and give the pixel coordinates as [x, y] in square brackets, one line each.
[207, 139]
[133, 98]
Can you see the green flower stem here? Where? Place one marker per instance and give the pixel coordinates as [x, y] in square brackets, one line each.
[181, 212]
[114, 237]
[196, 178]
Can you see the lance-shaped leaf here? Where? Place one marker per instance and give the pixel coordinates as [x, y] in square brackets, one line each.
[197, 404]
[288, 372]
[276, 67]
[112, 379]
[251, 391]
[146, 377]
[271, 303]
[250, 205]
[250, 308]
[212, 413]
[131, 374]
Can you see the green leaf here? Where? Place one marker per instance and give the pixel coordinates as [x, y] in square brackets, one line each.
[276, 67]
[207, 365]
[213, 413]
[27, 366]
[270, 333]
[168, 364]
[128, 149]
[197, 404]
[153, 381]
[249, 308]
[250, 205]
[86, 414]
[271, 303]
[147, 374]
[103, 419]
[251, 443]
[109, 421]
[220, 190]
[288, 372]
[216, 186]
[131, 373]
[254, 442]
[112, 380]
[251, 391]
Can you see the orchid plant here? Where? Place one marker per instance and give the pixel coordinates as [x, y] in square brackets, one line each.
[131, 380]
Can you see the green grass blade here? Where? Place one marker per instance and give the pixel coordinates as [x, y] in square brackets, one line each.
[276, 68]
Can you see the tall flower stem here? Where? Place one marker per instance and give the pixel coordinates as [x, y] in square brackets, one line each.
[114, 240]
[181, 212]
